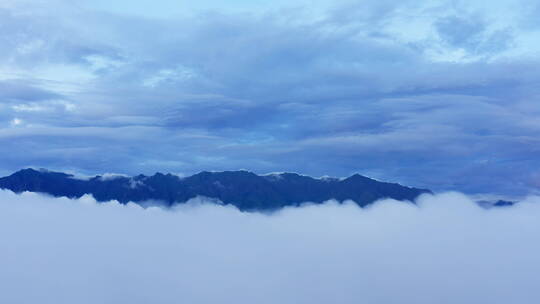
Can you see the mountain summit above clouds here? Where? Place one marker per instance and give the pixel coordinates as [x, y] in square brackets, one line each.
[245, 190]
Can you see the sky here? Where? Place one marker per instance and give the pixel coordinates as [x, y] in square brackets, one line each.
[444, 250]
[434, 94]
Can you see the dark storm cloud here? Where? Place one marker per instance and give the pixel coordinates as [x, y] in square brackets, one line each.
[433, 95]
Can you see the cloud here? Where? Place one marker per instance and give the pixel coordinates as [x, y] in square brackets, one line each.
[395, 90]
[112, 176]
[447, 250]
[470, 33]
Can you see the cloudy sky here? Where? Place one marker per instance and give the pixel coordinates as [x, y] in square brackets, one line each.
[437, 94]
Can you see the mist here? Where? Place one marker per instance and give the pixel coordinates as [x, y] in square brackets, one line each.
[445, 249]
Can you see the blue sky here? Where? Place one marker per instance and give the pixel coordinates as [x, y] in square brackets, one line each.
[437, 94]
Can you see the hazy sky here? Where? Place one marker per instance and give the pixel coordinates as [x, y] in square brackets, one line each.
[436, 94]
[446, 250]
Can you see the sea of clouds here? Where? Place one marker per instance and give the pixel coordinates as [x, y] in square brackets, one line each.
[445, 250]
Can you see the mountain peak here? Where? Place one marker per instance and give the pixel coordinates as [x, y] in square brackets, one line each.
[37, 172]
[30, 171]
[243, 189]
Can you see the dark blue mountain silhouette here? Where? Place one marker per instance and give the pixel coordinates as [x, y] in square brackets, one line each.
[495, 204]
[243, 189]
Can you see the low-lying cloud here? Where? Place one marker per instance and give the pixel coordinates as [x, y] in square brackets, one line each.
[445, 250]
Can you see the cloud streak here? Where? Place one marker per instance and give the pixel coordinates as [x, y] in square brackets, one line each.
[446, 250]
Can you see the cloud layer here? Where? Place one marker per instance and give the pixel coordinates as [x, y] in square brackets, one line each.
[437, 94]
[447, 250]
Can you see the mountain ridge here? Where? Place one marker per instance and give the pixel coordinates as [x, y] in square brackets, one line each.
[243, 189]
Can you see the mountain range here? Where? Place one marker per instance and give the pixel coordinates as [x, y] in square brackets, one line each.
[243, 189]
